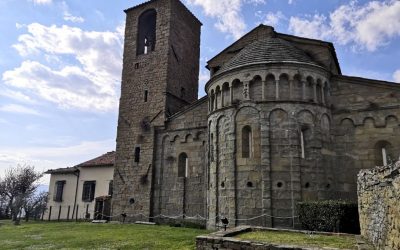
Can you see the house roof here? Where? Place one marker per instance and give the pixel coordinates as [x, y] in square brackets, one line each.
[106, 159]
[69, 170]
[267, 50]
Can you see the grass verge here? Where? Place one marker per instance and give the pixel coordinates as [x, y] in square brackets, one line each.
[72, 235]
[301, 239]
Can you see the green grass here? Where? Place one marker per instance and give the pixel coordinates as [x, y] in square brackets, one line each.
[301, 239]
[71, 235]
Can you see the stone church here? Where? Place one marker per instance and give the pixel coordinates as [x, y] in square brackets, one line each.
[279, 124]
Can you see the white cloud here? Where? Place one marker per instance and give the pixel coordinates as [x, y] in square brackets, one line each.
[44, 158]
[227, 13]
[41, 2]
[16, 95]
[290, 1]
[273, 19]
[75, 19]
[18, 109]
[396, 76]
[367, 26]
[91, 84]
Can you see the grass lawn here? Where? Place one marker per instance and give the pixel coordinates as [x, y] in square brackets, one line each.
[300, 239]
[61, 235]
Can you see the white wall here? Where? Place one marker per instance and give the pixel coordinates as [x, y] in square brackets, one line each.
[102, 176]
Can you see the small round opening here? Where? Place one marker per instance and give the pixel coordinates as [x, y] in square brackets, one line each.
[279, 184]
[307, 185]
[249, 184]
[223, 184]
[328, 186]
[131, 201]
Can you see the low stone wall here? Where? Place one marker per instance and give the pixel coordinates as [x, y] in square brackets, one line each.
[379, 205]
[224, 240]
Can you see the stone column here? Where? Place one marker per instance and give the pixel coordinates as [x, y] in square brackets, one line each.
[246, 90]
[323, 93]
[276, 89]
[263, 89]
[315, 92]
[222, 97]
[304, 90]
[230, 94]
[216, 101]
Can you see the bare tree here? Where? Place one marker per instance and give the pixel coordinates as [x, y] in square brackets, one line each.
[35, 205]
[18, 185]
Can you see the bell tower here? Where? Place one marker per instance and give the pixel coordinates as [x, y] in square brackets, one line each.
[159, 77]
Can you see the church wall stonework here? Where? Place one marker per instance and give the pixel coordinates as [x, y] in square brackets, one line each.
[279, 125]
[378, 197]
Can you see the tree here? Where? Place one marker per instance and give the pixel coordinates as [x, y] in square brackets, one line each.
[17, 186]
[35, 205]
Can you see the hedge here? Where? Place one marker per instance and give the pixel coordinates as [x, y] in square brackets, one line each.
[329, 216]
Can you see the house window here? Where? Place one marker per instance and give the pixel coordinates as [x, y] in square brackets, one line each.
[137, 154]
[147, 32]
[246, 142]
[88, 191]
[183, 165]
[110, 188]
[58, 191]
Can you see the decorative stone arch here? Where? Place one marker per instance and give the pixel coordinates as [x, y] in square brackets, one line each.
[270, 87]
[217, 97]
[226, 99]
[175, 138]
[297, 87]
[325, 123]
[188, 138]
[391, 121]
[283, 87]
[237, 88]
[305, 116]
[369, 122]
[256, 88]
[309, 90]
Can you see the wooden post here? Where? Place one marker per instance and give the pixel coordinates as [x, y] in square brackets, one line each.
[59, 214]
[50, 212]
[69, 208]
[76, 213]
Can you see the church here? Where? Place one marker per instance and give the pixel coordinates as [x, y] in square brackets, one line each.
[280, 124]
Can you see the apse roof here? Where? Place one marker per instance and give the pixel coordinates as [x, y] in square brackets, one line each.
[267, 50]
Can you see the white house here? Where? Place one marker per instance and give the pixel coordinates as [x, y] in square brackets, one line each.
[83, 191]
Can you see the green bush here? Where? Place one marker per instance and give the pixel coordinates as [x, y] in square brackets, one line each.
[329, 216]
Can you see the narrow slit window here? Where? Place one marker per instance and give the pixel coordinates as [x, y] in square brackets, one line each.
[384, 156]
[247, 142]
[137, 154]
[146, 94]
[212, 147]
[303, 151]
[183, 165]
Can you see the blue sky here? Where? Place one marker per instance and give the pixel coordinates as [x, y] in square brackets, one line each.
[60, 63]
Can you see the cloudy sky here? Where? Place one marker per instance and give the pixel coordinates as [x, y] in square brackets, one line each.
[60, 62]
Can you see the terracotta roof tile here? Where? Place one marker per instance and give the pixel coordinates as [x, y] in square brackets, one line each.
[106, 159]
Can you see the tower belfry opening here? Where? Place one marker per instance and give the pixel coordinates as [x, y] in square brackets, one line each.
[147, 32]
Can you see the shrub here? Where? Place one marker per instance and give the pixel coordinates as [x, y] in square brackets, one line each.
[329, 216]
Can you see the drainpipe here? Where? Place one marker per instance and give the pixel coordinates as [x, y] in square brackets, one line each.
[76, 173]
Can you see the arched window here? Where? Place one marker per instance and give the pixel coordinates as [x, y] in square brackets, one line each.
[305, 134]
[247, 144]
[183, 165]
[383, 153]
[147, 32]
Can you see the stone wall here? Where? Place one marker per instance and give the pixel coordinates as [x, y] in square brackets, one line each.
[378, 199]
